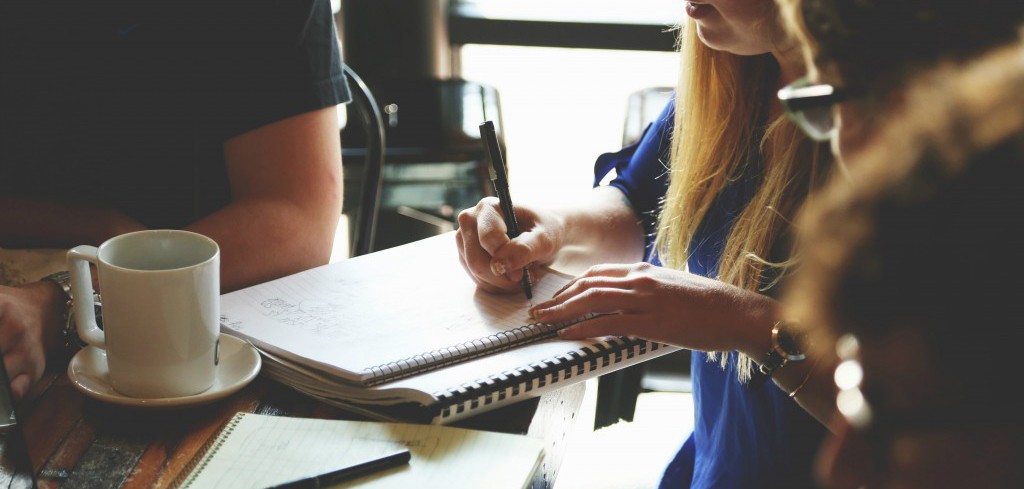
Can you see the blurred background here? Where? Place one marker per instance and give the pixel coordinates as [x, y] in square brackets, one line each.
[560, 78]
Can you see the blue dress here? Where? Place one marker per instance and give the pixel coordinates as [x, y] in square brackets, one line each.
[745, 435]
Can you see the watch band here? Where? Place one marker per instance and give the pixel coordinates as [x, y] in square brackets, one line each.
[63, 280]
[772, 362]
[72, 342]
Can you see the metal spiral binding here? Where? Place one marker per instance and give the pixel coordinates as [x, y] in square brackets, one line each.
[513, 383]
[479, 347]
[212, 445]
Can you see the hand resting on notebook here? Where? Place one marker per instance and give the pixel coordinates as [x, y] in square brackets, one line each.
[642, 300]
[661, 304]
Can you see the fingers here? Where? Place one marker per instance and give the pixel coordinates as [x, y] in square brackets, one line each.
[535, 246]
[612, 324]
[482, 226]
[582, 285]
[477, 229]
[596, 272]
[493, 260]
[20, 372]
[490, 225]
[20, 386]
[21, 339]
[485, 286]
[600, 300]
[604, 289]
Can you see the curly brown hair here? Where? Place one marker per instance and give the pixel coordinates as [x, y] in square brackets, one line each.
[925, 231]
[874, 46]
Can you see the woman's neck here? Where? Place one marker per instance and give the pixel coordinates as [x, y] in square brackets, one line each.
[791, 67]
[791, 63]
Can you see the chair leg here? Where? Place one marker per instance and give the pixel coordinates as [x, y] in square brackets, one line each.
[616, 395]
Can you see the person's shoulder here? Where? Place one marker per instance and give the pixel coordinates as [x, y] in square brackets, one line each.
[273, 22]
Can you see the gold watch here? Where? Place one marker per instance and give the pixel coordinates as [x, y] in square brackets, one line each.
[787, 346]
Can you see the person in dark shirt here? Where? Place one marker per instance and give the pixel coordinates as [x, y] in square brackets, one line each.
[215, 117]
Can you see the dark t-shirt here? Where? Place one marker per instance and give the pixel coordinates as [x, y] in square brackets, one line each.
[129, 106]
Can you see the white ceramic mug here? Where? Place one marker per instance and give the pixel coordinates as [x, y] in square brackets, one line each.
[161, 310]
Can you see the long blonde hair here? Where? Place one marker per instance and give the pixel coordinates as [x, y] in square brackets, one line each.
[722, 105]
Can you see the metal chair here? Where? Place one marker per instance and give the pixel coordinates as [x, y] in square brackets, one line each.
[364, 226]
[434, 165]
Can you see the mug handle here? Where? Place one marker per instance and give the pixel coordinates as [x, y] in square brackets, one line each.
[81, 289]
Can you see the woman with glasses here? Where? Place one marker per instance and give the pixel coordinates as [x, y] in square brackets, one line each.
[861, 54]
[708, 192]
[909, 268]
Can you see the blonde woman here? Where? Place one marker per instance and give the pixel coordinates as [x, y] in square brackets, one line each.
[738, 172]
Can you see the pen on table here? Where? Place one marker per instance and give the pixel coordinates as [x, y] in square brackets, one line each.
[500, 181]
[334, 477]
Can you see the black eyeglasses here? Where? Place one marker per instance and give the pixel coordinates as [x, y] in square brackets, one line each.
[810, 105]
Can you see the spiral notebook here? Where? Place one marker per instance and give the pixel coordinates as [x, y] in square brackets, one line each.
[404, 333]
[254, 451]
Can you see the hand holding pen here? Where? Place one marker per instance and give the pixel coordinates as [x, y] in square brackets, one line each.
[499, 179]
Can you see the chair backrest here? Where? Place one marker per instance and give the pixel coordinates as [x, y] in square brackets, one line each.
[434, 164]
[641, 109]
[365, 225]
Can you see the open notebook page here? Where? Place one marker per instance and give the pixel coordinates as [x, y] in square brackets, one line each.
[387, 306]
[261, 450]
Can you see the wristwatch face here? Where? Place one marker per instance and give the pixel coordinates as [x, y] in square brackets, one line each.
[789, 343]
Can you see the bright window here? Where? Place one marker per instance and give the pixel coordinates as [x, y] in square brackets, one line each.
[610, 11]
[563, 107]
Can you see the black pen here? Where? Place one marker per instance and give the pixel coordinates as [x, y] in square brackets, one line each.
[331, 478]
[500, 181]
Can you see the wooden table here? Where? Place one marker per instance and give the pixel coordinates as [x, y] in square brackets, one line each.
[77, 442]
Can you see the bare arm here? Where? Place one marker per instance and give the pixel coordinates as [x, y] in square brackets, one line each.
[602, 229]
[687, 310]
[286, 186]
[818, 392]
[32, 223]
[286, 202]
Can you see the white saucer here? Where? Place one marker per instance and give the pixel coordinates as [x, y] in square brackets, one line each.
[239, 364]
